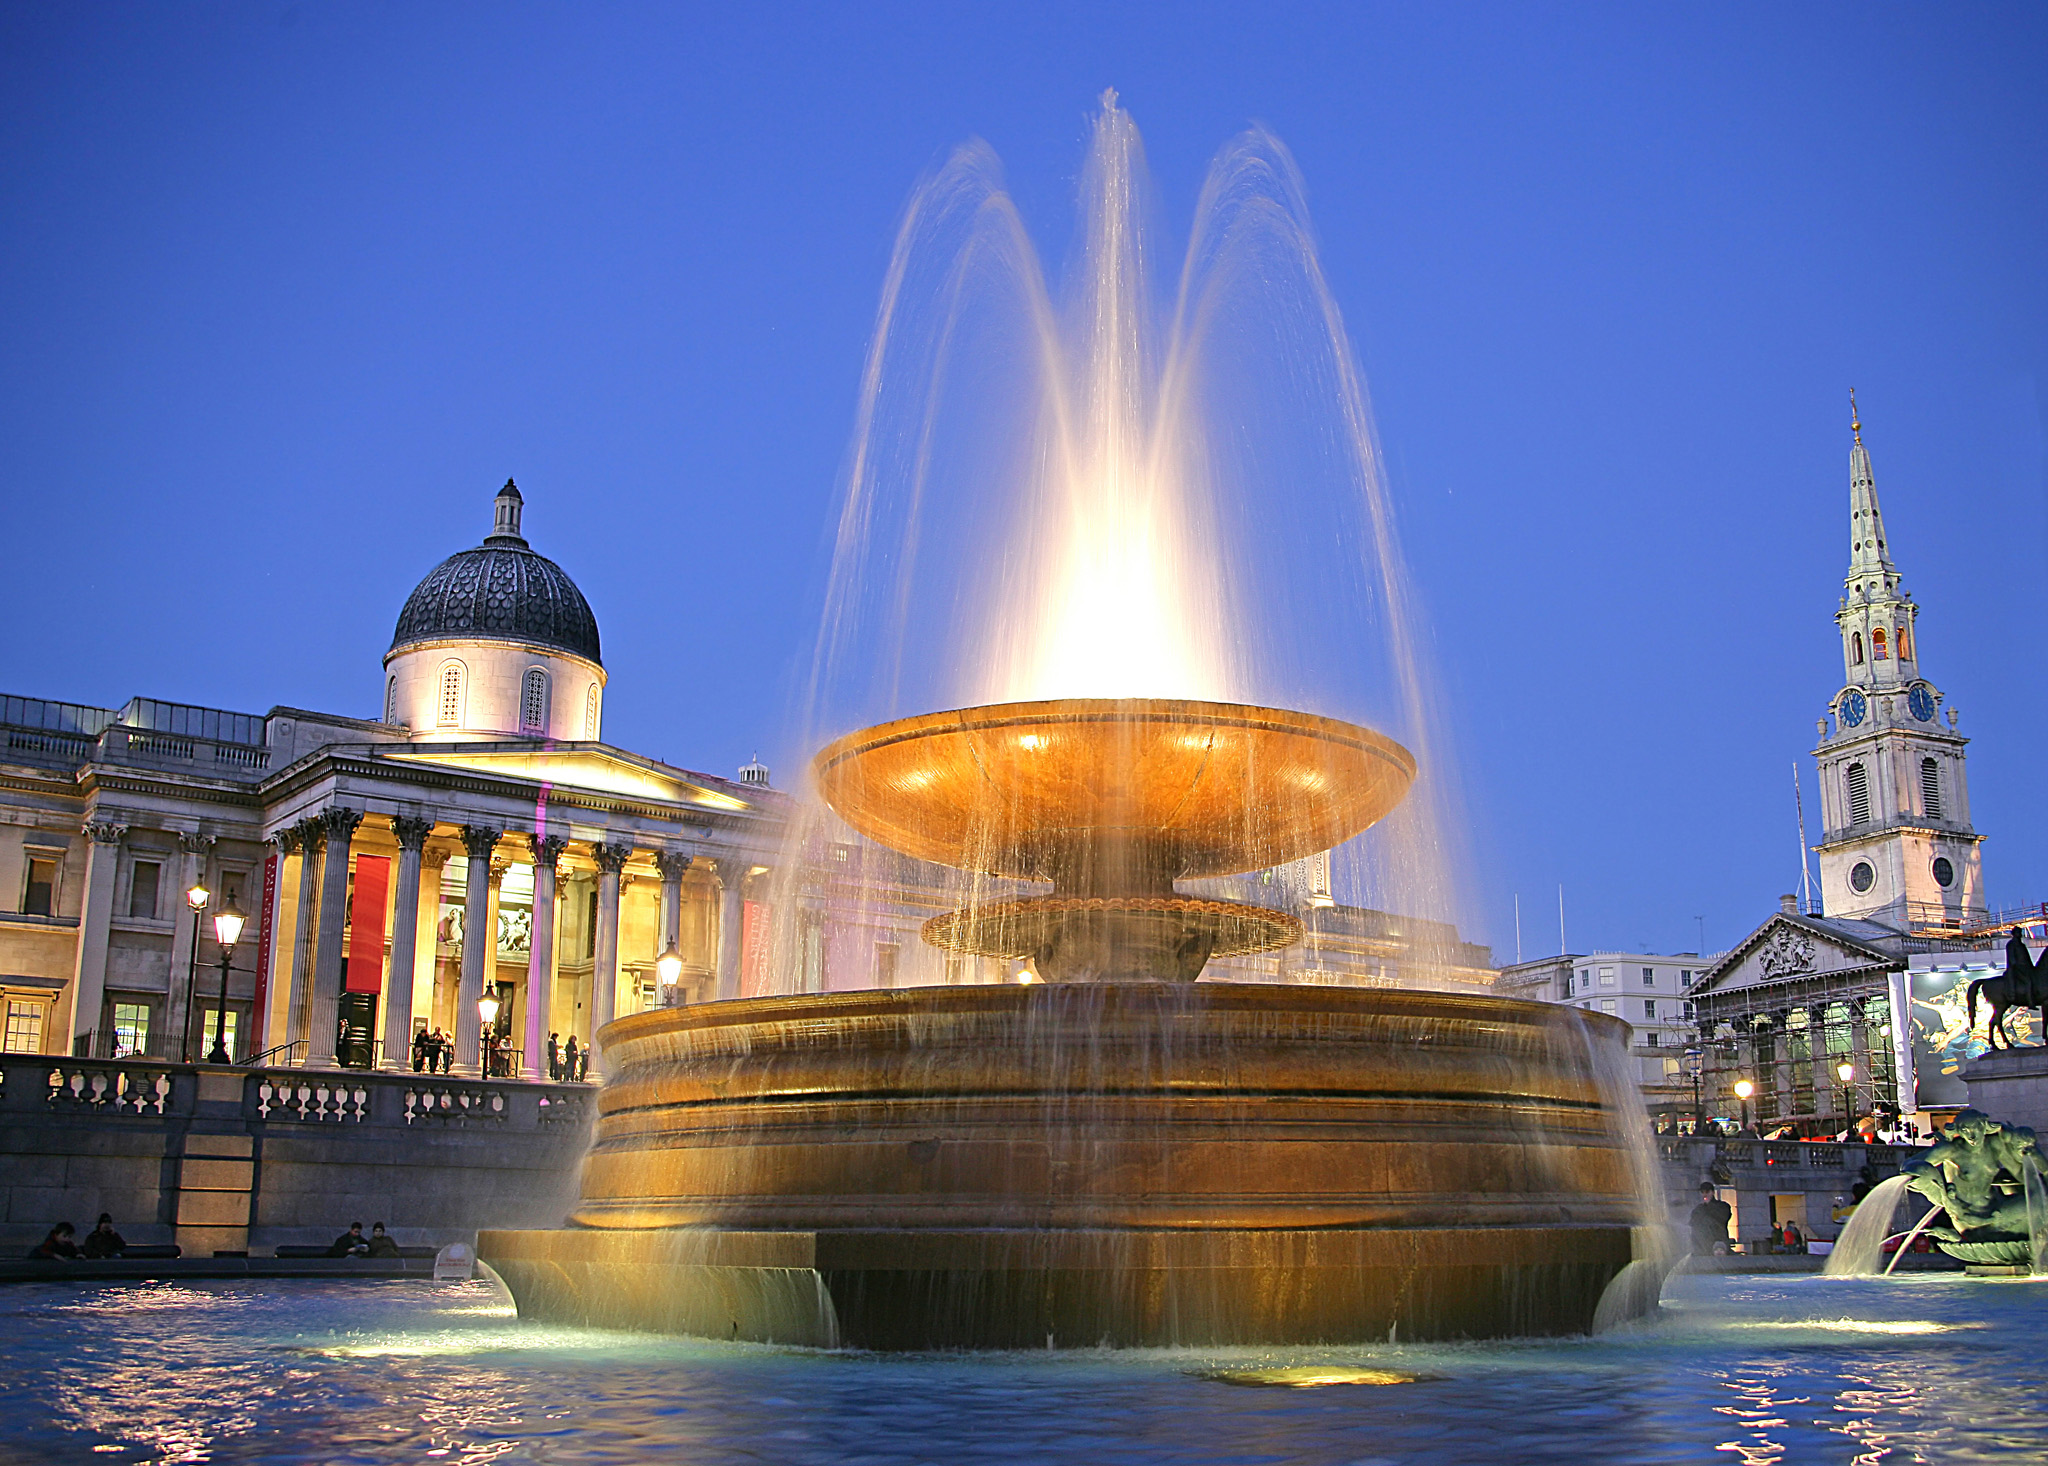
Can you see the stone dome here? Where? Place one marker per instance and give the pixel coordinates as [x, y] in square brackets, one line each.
[500, 591]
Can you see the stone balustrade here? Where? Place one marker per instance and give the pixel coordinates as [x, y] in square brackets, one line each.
[217, 1158]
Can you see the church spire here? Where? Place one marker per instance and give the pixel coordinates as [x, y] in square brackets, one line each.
[1868, 554]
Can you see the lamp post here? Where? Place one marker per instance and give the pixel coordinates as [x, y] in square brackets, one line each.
[227, 930]
[1695, 1063]
[487, 1030]
[1846, 1072]
[196, 898]
[669, 968]
[1743, 1090]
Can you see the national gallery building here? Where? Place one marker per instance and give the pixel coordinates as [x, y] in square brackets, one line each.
[364, 855]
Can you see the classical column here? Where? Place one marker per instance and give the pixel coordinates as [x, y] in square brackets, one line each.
[305, 926]
[540, 960]
[405, 916]
[604, 977]
[178, 998]
[673, 865]
[732, 915]
[479, 943]
[323, 1016]
[95, 921]
[270, 1019]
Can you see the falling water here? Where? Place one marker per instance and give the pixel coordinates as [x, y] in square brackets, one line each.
[1112, 492]
[1859, 1251]
[2037, 1218]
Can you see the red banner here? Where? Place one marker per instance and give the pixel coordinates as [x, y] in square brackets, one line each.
[366, 925]
[269, 920]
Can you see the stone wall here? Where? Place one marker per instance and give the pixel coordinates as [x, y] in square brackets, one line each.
[2011, 1085]
[234, 1159]
[1749, 1173]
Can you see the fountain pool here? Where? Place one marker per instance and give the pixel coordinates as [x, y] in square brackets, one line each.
[1750, 1369]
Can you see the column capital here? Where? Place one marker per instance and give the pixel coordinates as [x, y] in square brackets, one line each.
[411, 831]
[673, 864]
[731, 869]
[481, 840]
[104, 832]
[339, 822]
[287, 840]
[311, 832]
[611, 859]
[499, 870]
[547, 850]
[195, 842]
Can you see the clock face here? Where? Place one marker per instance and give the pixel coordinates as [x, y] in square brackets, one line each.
[1852, 709]
[1921, 701]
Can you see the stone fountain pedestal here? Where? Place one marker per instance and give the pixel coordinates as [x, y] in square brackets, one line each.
[1130, 1164]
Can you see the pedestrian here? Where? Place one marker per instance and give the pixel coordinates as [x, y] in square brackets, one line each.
[57, 1244]
[554, 1056]
[442, 1048]
[419, 1050]
[103, 1240]
[381, 1244]
[1709, 1223]
[570, 1053]
[1792, 1239]
[351, 1243]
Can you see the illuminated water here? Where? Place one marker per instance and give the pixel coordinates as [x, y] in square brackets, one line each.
[1745, 1369]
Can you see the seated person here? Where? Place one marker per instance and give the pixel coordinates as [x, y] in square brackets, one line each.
[103, 1240]
[57, 1244]
[381, 1243]
[351, 1243]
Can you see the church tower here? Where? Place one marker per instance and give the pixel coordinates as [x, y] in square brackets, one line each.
[1897, 846]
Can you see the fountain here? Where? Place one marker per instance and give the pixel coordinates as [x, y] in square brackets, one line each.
[1118, 1150]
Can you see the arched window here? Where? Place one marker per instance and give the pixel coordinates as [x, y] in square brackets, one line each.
[590, 713]
[451, 695]
[1856, 647]
[1904, 645]
[533, 706]
[1930, 787]
[1877, 645]
[1859, 795]
[390, 699]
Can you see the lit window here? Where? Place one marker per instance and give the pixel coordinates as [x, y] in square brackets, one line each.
[142, 889]
[1930, 787]
[1859, 795]
[208, 1018]
[131, 1028]
[24, 1027]
[533, 705]
[1904, 645]
[1607, 977]
[1877, 645]
[451, 695]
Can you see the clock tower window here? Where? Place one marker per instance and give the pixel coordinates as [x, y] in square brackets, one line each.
[1930, 787]
[1856, 647]
[1904, 645]
[1877, 645]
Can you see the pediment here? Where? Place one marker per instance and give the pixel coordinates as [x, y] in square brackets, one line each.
[590, 766]
[1787, 948]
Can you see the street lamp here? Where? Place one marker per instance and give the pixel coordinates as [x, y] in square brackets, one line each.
[196, 898]
[669, 968]
[1846, 1072]
[487, 1033]
[227, 930]
[1743, 1090]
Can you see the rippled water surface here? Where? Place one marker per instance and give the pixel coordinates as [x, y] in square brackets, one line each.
[1803, 1369]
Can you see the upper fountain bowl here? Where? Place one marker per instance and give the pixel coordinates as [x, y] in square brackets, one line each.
[1113, 794]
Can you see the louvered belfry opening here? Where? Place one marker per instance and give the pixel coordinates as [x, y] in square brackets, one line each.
[1859, 795]
[1930, 788]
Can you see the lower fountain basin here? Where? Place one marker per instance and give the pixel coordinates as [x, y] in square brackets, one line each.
[1149, 1163]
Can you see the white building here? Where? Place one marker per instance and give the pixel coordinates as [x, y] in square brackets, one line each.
[1649, 992]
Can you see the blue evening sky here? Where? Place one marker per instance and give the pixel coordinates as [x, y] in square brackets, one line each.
[291, 288]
